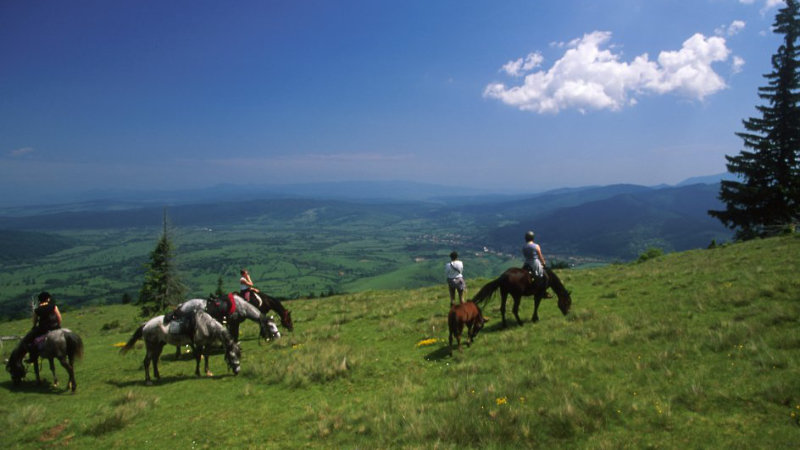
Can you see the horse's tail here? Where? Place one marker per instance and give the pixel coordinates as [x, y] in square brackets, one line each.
[564, 297]
[136, 336]
[74, 345]
[486, 291]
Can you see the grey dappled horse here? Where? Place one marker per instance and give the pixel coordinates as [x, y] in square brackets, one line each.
[206, 331]
[61, 344]
[234, 314]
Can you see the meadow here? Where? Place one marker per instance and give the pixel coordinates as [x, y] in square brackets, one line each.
[698, 349]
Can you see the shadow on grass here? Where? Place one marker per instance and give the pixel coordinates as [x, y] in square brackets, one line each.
[32, 387]
[166, 381]
[438, 354]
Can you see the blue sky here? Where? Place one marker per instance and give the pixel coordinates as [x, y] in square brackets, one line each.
[498, 95]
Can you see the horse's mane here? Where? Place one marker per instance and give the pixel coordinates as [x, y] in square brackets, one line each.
[212, 327]
[252, 311]
[274, 303]
[555, 282]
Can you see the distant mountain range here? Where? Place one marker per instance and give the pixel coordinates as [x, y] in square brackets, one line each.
[372, 191]
[605, 222]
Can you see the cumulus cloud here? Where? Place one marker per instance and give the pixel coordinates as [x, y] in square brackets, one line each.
[590, 75]
[520, 66]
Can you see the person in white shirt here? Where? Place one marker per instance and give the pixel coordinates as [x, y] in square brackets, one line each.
[454, 271]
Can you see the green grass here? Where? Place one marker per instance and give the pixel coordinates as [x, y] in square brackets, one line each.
[698, 350]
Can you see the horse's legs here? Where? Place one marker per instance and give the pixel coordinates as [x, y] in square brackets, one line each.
[53, 369]
[536, 301]
[206, 352]
[233, 327]
[70, 368]
[198, 353]
[36, 370]
[517, 298]
[146, 362]
[503, 297]
[154, 357]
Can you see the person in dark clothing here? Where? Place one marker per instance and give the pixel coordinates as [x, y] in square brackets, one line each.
[46, 317]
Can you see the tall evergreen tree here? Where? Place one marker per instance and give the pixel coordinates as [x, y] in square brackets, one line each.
[766, 199]
[162, 285]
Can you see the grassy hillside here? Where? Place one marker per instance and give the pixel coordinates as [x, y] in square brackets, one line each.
[698, 350]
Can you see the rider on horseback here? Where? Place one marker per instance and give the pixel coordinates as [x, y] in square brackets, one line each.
[534, 260]
[246, 287]
[46, 317]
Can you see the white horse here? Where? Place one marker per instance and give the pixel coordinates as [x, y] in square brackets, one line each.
[206, 331]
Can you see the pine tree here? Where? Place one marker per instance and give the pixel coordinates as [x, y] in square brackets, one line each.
[161, 286]
[765, 201]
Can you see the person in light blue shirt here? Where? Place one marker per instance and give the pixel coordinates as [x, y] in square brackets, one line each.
[534, 260]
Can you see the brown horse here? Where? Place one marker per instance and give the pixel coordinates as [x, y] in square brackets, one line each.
[468, 314]
[517, 282]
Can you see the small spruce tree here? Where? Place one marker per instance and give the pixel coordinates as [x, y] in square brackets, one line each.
[162, 285]
[766, 200]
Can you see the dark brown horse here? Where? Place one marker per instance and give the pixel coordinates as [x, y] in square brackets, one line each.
[265, 304]
[517, 283]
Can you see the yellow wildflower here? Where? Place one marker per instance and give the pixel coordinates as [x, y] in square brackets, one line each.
[502, 401]
[427, 342]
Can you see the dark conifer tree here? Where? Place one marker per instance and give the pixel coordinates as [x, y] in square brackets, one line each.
[765, 199]
[162, 285]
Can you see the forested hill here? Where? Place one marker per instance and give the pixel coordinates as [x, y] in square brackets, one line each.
[612, 222]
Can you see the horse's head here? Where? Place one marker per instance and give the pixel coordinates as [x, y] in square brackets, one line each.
[15, 367]
[564, 301]
[479, 322]
[232, 356]
[286, 320]
[272, 328]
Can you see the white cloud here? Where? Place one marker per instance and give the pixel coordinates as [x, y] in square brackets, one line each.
[21, 152]
[768, 4]
[733, 29]
[738, 63]
[520, 66]
[591, 76]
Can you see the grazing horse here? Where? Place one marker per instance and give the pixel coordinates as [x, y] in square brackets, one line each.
[61, 344]
[206, 331]
[232, 309]
[265, 303]
[517, 282]
[468, 314]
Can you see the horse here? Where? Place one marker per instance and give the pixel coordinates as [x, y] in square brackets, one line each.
[265, 303]
[231, 308]
[468, 314]
[61, 344]
[517, 282]
[206, 331]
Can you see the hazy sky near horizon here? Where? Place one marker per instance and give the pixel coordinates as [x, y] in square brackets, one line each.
[498, 95]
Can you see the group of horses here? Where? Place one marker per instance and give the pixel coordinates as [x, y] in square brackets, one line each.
[515, 282]
[207, 317]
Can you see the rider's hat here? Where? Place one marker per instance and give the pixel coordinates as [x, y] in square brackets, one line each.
[44, 296]
[529, 236]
